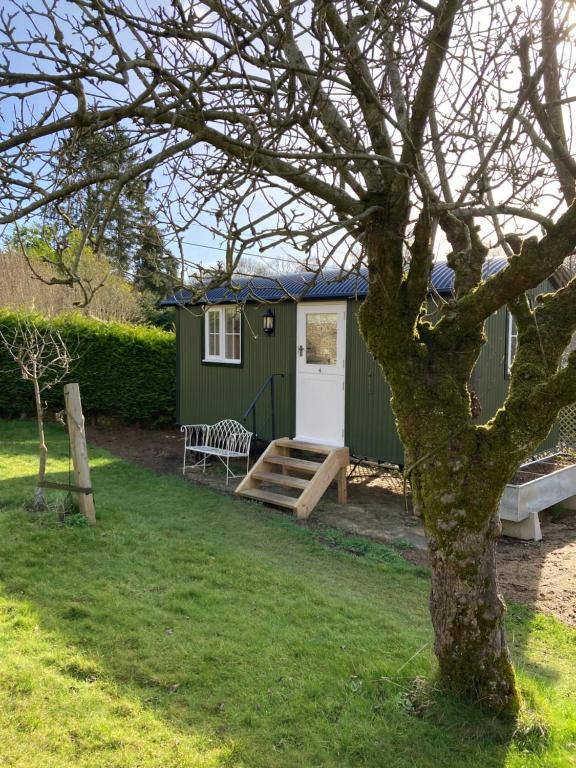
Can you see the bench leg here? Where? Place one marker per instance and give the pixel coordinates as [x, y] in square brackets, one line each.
[527, 529]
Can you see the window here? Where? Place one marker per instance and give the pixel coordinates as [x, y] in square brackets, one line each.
[222, 335]
[512, 342]
[321, 337]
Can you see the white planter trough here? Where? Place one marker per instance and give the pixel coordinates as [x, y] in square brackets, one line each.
[536, 486]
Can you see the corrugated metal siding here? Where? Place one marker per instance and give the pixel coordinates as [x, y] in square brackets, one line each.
[178, 365]
[208, 393]
[552, 440]
[489, 376]
[490, 372]
[370, 424]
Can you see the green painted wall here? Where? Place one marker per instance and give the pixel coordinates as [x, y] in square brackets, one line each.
[370, 423]
[208, 393]
[490, 376]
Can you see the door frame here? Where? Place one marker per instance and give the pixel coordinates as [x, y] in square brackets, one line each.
[323, 306]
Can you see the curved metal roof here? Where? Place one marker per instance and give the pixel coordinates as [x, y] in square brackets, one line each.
[300, 286]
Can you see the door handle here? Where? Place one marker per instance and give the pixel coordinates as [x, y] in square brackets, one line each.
[301, 350]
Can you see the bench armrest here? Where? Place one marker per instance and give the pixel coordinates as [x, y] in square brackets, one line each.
[194, 434]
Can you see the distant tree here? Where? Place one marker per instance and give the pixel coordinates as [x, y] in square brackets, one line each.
[155, 275]
[155, 268]
[118, 223]
[98, 210]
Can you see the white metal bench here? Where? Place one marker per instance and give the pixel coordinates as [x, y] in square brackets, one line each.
[226, 440]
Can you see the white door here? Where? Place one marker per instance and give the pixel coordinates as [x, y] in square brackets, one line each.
[320, 372]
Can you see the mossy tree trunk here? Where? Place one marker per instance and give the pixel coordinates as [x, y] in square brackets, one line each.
[456, 487]
[458, 468]
[458, 500]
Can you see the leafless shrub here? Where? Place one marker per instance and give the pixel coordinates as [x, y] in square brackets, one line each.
[21, 290]
[43, 359]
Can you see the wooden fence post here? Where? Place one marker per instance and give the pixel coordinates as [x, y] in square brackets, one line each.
[75, 420]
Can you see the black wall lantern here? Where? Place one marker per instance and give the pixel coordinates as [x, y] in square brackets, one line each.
[268, 322]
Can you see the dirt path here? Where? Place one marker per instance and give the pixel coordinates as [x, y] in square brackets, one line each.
[539, 574]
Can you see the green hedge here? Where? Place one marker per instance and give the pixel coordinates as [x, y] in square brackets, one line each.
[125, 372]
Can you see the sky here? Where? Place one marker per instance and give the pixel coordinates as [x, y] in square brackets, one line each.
[199, 243]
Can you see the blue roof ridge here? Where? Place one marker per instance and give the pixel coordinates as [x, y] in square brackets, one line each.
[332, 283]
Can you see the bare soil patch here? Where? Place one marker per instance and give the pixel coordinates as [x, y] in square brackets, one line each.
[536, 469]
[541, 574]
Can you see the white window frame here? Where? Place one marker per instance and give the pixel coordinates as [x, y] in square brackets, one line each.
[221, 358]
[511, 335]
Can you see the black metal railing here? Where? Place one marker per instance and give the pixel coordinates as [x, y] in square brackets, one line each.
[252, 407]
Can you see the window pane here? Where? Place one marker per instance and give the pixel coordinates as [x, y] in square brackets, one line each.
[214, 345]
[232, 346]
[512, 340]
[229, 354]
[232, 334]
[214, 333]
[232, 319]
[513, 348]
[321, 337]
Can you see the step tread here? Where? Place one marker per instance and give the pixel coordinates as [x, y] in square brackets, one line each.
[275, 477]
[301, 445]
[273, 498]
[292, 463]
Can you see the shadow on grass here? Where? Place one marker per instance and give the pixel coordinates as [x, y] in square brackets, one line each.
[223, 622]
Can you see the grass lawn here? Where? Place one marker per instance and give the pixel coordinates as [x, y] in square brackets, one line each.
[191, 629]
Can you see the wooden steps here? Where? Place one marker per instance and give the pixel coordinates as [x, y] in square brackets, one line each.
[270, 498]
[303, 465]
[298, 445]
[329, 464]
[287, 481]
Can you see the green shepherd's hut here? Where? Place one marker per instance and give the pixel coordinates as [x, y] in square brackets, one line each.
[284, 356]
